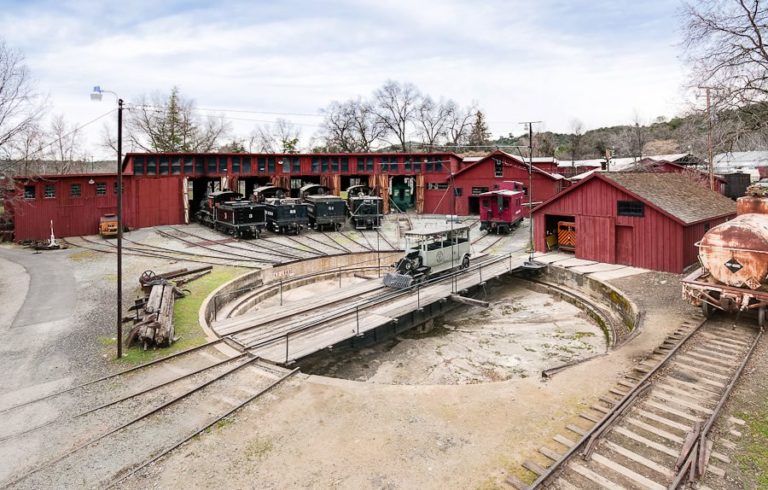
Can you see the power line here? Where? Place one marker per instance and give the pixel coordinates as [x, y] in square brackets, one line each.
[75, 130]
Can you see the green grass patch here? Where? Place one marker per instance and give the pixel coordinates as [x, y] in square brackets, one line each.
[185, 318]
[753, 458]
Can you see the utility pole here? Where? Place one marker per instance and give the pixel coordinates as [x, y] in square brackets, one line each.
[530, 124]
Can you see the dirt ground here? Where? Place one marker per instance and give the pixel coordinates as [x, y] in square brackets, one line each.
[522, 333]
[321, 432]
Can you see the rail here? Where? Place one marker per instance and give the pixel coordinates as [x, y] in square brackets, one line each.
[698, 449]
[591, 436]
[366, 304]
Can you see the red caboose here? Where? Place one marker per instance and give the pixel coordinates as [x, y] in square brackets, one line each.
[501, 210]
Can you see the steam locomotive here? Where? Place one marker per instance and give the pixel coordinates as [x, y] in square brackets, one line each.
[366, 210]
[283, 214]
[227, 212]
[324, 210]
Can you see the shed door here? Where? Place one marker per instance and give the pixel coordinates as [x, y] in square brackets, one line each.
[594, 238]
[624, 239]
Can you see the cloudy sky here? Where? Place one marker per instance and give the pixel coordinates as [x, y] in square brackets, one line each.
[549, 60]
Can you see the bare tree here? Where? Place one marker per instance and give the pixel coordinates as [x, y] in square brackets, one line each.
[66, 146]
[170, 124]
[460, 122]
[577, 134]
[396, 106]
[639, 135]
[433, 119]
[725, 43]
[351, 126]
[280, 137]
[24, 153]
[21, 107]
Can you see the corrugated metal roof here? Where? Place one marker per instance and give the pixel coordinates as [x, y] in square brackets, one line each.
[677, 194]
[740, 159]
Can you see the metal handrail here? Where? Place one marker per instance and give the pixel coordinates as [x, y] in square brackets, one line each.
[374, 301]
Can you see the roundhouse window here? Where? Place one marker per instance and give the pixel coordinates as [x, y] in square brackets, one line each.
[29, 192]
[101, 189]
[49, 192]
[74, 190]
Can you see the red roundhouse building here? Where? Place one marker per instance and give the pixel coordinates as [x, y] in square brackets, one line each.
[167, 188]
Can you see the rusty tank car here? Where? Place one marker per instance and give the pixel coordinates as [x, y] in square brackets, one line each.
[734, 260]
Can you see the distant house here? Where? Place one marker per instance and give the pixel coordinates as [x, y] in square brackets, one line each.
[642, 219]
[741, 161]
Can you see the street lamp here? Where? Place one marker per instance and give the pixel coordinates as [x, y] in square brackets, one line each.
[96, 95]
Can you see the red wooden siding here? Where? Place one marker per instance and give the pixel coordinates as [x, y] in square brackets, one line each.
[657, 241]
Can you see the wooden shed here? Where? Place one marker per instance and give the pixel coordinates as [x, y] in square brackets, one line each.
[645, 219]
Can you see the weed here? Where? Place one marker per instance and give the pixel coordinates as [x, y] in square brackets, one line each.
[258, 448]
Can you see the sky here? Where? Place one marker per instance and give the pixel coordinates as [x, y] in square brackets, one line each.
[600, 61]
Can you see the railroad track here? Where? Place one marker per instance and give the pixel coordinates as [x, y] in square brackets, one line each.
[137, 424]
[248, 246]
[652, 429]
[160, 253]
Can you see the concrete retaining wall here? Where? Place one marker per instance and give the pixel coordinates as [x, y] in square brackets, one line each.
[599, 291]
[239, 286]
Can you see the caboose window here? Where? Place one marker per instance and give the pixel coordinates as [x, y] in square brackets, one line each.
[630, 208]
[29, 192]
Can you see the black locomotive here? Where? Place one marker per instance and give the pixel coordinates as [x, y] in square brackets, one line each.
[366, 209]
[284, 214]
[227, 212]
[323, 208]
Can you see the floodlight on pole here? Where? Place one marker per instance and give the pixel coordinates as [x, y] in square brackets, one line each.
[96, 95]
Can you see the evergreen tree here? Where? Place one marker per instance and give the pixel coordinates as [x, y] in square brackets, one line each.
[479, 135]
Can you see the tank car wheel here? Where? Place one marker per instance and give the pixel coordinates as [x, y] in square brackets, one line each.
[465, 262]
[707, 309]
[761, 317]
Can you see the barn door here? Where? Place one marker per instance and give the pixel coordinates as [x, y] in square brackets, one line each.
[384, 191]
[420, 194]
[624, 238]
[594, 238]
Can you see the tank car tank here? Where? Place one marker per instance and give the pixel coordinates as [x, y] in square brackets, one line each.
[734, 260]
